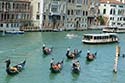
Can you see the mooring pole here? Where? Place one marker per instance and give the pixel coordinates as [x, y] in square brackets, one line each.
[116, 59]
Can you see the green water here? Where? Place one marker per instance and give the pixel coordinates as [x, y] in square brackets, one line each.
[28, 45]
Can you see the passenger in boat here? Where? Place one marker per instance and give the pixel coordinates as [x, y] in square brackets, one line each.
[75, 64]
[59, 65]
[52, 62]
[56, 66]
[72, 54]
[46, 49]
[13, 69]
[88, 52]
[75, 51]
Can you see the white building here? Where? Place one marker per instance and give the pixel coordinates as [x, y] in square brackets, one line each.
[35, 12]
[113, 11]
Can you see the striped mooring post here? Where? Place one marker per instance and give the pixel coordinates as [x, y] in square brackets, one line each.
[116, 59]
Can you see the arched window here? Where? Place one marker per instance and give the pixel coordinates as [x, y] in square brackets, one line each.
[104, 11]
[111, 11]
[86, 13]
[68, 12]
[114, 12]
[83, 13]
[71, 12]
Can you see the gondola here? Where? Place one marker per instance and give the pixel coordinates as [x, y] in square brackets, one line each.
[14, 69]
[76, 67]
[46, 50]
[56, 68]
[72, 55]
[90, 56]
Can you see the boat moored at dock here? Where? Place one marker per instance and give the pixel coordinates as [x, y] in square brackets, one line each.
[14, 32]
[100, 38]
[114, 29]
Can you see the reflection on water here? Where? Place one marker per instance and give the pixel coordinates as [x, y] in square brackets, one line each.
[75, 76]
[52, 75]
[71, 35]
[8, 78]
[114, 78]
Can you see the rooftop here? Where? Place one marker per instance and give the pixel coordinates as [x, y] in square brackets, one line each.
[111, 1]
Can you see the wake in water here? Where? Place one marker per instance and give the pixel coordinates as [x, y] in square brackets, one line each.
[71, 35]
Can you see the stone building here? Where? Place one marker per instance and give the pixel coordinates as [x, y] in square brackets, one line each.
[76, 16]
[14, 14]
[93, 12]
[54, 14]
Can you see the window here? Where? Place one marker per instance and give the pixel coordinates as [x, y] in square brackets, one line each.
[7, 25]
[68, 12]
[114, 12]
[71, 12]
[69, 1]
[37, 17]
[78, 12]
[86, 13]
[11, 25]
[111, 11]
[121, 6]
[113, 5]
[83, 13]
[38, 7]
[124, 19]
[104, 11]
[79, 1]
[1, 25]
[54, 8]
[13, 5]
[120, 18]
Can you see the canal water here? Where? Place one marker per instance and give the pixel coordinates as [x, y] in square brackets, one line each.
[28, 46]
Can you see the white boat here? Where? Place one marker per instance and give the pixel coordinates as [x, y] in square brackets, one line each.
[100, 38]
[113, 29]
[15, 32]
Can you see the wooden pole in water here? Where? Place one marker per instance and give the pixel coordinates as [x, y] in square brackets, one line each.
[116, 59]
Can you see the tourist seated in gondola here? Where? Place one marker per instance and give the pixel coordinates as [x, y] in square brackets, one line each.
[74, 54]
[46, 50]
[14, 69]
[55, 67]
[76, 66]
[90, 56]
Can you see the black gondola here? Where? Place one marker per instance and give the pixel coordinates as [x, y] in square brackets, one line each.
[46, 50]
[14, 69]
[76, 67]
[72, 55]
[55, 68]
[90, 57]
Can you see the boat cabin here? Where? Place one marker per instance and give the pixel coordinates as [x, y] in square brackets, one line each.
[100, 38]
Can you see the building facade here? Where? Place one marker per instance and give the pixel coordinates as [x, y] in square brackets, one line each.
[76, 15]
[54, 14]
[113, 12]
[35, 5]
[14, 14]
[65, 14]
[93, 12]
